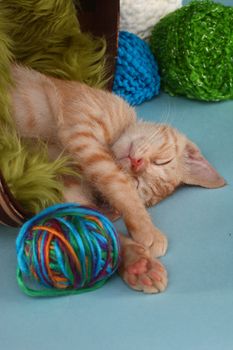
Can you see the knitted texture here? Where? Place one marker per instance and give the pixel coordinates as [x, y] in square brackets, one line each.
[67, 249]
[139, 17]
[136, 75]
[194, 48]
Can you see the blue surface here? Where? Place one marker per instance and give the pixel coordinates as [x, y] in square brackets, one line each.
[195, 312]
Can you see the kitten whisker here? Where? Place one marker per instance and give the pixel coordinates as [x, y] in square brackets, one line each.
[145, 145]
[166, 118]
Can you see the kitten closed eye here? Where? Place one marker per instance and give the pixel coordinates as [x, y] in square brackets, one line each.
[162, 162]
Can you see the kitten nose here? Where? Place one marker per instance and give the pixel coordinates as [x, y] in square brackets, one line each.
[136, 164]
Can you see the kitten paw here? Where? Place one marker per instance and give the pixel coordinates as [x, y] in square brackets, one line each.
[159, 246]
[142, 273]
[152, 239]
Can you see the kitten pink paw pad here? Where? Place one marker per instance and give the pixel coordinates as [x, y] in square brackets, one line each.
[145, 275]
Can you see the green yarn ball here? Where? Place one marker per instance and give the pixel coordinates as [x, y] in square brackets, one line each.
[194, 49]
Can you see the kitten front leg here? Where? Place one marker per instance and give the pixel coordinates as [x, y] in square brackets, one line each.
[138, 268]
[77, 192]
[100, 169]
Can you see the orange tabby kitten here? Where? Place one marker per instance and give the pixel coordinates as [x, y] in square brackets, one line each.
[126, 163]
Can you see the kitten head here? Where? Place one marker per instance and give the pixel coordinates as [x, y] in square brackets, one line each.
[159, 159]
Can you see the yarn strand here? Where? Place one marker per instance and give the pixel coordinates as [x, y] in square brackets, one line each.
[66, 249]
[51, 292]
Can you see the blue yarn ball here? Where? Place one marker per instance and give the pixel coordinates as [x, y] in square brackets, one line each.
[136, 75]
[66, 249]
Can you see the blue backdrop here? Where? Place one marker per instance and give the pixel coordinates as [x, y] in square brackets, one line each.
[195, 312]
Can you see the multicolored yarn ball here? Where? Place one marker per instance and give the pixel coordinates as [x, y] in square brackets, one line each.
[66, 249]
[139, 17]
[136, 76]
[194, 48]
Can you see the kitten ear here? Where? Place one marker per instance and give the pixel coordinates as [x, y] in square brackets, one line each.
[198, 171]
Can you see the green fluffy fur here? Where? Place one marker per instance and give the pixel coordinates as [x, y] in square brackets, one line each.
[45, 35]
[5, 59]
[31, 177]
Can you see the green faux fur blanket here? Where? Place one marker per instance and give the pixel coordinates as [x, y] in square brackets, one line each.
[5, 58]
[45, 35]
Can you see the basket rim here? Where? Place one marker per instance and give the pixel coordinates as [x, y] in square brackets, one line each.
[11, 212]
